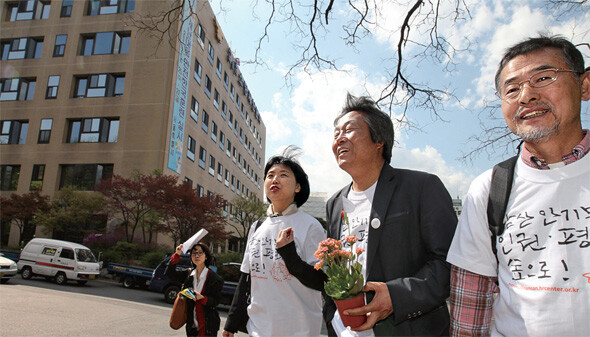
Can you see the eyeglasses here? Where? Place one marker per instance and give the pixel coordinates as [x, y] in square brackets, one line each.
[543, 78]
[197, 252]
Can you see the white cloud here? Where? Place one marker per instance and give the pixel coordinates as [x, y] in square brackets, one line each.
[316, 100]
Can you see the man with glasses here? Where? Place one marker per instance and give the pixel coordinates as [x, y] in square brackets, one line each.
[542, 266]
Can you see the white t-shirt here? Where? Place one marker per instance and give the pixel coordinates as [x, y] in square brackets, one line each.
[281, 305]
[358, 210]
[543, 254]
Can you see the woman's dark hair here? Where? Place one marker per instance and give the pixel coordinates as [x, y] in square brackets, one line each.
[208, 257]
[287, 158]
[571, 55]
[379, 123]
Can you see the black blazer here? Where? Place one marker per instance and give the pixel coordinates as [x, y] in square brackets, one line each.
[407, 251]
[211, 289]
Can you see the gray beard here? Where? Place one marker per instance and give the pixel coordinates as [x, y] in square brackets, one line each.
[538, 135]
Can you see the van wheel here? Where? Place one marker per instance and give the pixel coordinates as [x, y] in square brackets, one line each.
[170, 294]
[27, 273]
[61, 279]
[81, 283]
[128, 282]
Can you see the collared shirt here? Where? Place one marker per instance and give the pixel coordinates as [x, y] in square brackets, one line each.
[577, 152]
[472, 296]
[289, 210]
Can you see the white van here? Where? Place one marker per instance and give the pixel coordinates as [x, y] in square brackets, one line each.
[61, 260]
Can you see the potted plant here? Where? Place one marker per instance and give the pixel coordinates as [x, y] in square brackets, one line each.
[345, 275]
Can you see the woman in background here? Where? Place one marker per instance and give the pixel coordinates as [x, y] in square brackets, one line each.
[202, 316]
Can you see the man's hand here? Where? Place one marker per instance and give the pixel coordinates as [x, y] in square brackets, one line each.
[179, 249]
[227, 334]
[379, 308]
[285, 237]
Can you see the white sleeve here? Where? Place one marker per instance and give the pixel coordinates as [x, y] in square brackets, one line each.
[315, 234]
[245, 268]
[471, 248]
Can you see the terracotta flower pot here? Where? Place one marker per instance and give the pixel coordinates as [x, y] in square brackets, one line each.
[349, 303]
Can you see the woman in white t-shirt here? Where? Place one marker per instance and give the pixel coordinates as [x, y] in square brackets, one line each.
[279, 293]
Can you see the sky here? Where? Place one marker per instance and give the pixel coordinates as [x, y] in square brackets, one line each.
[302, 114]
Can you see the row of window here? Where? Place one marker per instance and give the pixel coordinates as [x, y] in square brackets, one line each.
[232, 123]
[39, 10]
[103, 43]
[82, 176]
[84, 130]
[86, 176]
[85, 86]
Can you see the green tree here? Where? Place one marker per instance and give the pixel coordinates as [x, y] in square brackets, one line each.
[21, 210]
[245, 212]
[73, 215]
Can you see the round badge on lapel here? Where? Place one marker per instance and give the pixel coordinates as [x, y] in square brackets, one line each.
[375, 223]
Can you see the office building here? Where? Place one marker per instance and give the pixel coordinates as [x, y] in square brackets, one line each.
[85, 94]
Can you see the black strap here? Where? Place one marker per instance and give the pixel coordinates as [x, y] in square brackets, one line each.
[502, 178]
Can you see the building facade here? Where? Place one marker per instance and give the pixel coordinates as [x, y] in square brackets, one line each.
[85, 94]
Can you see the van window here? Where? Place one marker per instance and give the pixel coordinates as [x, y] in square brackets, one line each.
[67, 253]
[85, 255]
[49, 251]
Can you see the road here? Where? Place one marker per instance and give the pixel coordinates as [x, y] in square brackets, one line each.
[38, 307]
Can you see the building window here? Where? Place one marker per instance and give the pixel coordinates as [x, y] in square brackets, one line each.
[198, 71]
[233, 182]
[210, 53]
[219, 171]
[208, 86]
[60, 45]
[205, 123]
[190, 148]
[17, 89]
[190, 181]
[211, 165]
[93, 130]
[230, 121]
[45, 131]
[99, 85]
[238, 102]
[202, 157]
[225, 80]
[29, 10]
[37, 177]
[9, 177]
[214, 131]
[228, 148]
[200, 190]
[221, 140]
[201, 35]
[218, 68]
[232, 92]
[52, 86]
[22, 48]
[14, 132]
[194, 109]
[66, 8]
[223, 110]
[102, 7]
[216, 99]
[105, 43]
[84, 176]
[226, 177]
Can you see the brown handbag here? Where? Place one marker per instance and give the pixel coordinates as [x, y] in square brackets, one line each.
[178, 316]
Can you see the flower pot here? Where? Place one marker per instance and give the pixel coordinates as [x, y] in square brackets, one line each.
[350, 303]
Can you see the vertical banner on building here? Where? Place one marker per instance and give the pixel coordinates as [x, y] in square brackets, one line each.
[181, 89]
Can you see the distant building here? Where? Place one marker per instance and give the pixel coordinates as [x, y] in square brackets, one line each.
[316, 205]
[84, 95]
[457, 206]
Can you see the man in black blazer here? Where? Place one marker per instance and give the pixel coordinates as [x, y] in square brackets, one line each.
[406, 220]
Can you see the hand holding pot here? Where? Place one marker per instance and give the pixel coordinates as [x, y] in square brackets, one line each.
[379, 308]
